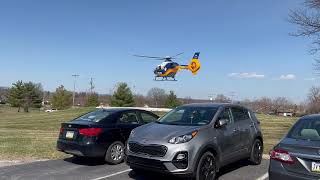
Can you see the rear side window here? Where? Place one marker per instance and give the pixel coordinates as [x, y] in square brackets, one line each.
[128, 118]
[240, 114]
[306, 129]
[146, 117]
[226, 114]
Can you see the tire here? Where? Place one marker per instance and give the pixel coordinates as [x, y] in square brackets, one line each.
[207, 167]
[256, 152]
[115, 153]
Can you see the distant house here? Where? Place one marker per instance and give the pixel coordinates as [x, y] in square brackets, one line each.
[286, 113]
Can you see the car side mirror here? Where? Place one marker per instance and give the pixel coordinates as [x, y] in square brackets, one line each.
[221, 122]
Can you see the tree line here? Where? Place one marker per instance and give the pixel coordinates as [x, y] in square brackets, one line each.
[25, 95]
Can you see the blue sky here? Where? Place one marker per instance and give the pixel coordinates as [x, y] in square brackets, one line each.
[245, 47]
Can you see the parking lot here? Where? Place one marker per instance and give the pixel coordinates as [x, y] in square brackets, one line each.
[83, 169]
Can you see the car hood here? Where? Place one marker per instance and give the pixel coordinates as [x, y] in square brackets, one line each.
[156, 131]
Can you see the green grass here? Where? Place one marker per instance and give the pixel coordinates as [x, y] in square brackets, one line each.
[273, 129]
[33, 135]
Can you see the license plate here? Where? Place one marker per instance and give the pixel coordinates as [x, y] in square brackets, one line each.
[69, 134]
[315, 167]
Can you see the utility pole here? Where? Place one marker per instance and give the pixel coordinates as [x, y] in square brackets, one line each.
[74, 88]
[91, 85]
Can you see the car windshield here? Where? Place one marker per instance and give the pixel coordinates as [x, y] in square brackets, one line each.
[306, 129]
[189, 116]
[94, 116]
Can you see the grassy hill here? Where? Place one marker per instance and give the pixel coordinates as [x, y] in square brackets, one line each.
[33, 135]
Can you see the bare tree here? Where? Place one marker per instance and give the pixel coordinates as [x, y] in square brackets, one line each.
[157, 96]
[281, 104]
[314, 100]
[220, 98]
[308, 21]
[140, 100]
[4, 94]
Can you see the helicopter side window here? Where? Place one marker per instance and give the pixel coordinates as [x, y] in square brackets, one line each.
[169, 65]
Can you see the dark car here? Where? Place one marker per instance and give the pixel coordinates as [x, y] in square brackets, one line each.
[297, 156]
[101, 133]
[196, 140]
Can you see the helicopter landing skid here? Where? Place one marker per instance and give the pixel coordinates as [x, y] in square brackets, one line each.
[164, 79]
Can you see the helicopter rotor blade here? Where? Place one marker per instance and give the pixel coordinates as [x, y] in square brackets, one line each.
[176, 55]
[151, 57]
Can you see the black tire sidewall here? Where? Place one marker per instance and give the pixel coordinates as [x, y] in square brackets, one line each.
[200, 162]
[108, 158]
[252, 158]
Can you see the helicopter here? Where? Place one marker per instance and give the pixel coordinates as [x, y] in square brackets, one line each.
[168, 69]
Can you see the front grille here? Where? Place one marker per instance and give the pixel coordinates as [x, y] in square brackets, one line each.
[145, 163]
[151, 150]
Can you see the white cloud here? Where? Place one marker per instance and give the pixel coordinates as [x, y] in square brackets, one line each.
[287, 77]
[247, 75]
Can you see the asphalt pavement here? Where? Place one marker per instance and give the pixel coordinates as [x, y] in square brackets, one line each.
[88, 169]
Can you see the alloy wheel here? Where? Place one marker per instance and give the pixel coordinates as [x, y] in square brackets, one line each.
[258, 149]
[117, 152]
[207, 168]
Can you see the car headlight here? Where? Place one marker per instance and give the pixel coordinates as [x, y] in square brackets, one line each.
[184, 138]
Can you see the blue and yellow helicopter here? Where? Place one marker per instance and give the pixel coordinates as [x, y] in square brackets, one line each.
[168, 69]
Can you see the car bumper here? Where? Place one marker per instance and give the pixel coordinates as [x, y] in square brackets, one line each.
[278, 172]
[164, 164]
[79, 149]
[153, 165]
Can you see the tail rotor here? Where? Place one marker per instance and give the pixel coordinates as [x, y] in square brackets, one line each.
[194, 65]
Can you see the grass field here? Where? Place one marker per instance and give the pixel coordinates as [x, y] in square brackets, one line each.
[33, 135]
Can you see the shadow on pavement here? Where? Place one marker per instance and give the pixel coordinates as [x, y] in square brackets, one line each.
[234, 166]
[85, 161]
[151, 175]
[155, 176]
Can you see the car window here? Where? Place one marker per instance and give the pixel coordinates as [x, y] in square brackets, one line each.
[146, 117]
[128, 118]
[189, 116]
[226, 114]
[95, 116]
[307, 129]
[240, 114]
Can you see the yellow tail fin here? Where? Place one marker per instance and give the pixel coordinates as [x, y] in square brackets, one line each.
[194, 65]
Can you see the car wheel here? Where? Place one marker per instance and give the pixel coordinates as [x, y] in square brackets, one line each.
[115, 153]
[256, 152]
[207, 167]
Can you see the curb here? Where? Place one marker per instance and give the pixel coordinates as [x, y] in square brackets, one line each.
[266, 156]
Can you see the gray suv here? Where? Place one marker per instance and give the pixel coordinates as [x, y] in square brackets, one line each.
[196, 140]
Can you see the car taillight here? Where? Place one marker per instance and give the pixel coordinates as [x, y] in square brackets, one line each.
[90, 131]
[281, 155]
[61, 130]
